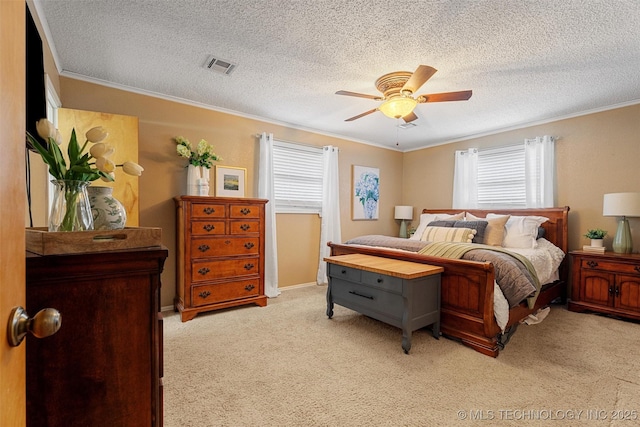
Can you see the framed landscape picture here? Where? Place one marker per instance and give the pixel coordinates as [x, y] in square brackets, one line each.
[365, 193]
[230, 181]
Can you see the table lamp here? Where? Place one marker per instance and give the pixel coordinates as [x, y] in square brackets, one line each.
[404, 213]
[623, 205]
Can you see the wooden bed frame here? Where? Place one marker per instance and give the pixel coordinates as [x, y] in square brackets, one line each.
[467, 286]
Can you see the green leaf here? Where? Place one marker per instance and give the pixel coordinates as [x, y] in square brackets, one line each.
[48, 158]
[73, 149]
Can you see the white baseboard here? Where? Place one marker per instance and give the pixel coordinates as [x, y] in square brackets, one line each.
[301, 285]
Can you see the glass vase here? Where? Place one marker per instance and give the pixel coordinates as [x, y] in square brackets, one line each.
[70, 210]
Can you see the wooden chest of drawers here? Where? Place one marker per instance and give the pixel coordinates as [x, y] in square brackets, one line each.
[220, 253]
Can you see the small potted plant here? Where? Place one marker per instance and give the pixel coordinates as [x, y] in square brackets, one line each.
[596, 235]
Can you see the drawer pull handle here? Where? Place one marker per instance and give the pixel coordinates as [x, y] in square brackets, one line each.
[245, 211]
[617, 291]
[208, 227]
[248, 266]
[592, 264]
[380, 280]
[203, 248]
[610, 290]
[227, 242]
[245, 227]
[204, 294]
[344, 271]
[249, 288]
[637, 268]
[249, 245]
[208, 210]
[203, 271]
[361, 295]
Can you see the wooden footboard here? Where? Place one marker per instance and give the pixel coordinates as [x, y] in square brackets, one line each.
[467, 286]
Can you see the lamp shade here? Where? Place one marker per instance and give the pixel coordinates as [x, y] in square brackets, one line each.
[404, 212]
[398, 106]
[621, 204]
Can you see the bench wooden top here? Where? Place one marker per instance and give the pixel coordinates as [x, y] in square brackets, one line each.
[386, 266]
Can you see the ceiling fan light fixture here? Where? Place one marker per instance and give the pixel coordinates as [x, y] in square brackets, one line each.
[398, 106]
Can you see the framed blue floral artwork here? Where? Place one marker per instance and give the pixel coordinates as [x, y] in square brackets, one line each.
[366, 192]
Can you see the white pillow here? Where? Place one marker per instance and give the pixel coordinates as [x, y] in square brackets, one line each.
[521, 231]
[426, 218]
[448, 234]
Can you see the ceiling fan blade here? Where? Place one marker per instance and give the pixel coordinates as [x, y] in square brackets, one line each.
[359, 95]
[447, 96]
[410, 117]
[418, 78]
[361, 115]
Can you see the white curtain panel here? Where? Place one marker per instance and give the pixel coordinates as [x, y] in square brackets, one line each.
[540, 179]
[265, 191]
[330, 225]
[465, 179]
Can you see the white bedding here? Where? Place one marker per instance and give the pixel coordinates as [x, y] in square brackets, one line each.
[546, 259]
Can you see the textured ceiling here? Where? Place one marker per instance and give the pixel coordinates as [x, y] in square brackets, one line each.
[526, 61]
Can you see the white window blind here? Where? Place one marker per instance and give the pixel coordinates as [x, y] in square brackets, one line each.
[501, 177]
[297, 173]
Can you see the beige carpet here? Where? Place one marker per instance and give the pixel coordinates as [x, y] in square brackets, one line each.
[288, 365]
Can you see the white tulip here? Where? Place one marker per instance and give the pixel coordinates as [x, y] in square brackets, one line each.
[105, 165]
[96, 134]
[46, 129]
[102, 150]
[132, 168]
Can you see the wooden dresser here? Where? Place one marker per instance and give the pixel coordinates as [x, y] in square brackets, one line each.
[220, 253]
[606, 283]
[103, 368]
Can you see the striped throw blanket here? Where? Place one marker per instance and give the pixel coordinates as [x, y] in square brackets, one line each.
[515, 274]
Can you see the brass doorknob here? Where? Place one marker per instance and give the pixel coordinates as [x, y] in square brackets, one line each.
[46, 322]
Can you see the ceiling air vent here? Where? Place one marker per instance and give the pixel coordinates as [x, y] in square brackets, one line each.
[219, 65]
[407, 125]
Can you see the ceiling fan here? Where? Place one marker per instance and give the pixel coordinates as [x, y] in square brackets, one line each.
[397, 94]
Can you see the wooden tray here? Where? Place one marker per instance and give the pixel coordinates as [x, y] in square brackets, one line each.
[43, 242]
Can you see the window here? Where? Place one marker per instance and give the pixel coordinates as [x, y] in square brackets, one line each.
[514, 176]
[501, 177]
[297, 171]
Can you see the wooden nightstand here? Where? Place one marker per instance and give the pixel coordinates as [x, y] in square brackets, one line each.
[606, 283]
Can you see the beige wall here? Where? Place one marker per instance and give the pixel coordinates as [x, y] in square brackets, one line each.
[234, 138]
[596, 154]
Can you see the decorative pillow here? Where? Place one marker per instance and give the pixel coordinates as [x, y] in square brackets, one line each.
[442, 223]
[495, 230]
[426, 218]
[479, 226]
[521, 231]
[541, 233]
[448, 234]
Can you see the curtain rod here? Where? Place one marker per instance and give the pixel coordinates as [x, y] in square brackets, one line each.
[259, 135]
